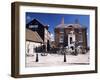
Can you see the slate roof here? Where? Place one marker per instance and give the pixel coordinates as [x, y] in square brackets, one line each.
[33, 36]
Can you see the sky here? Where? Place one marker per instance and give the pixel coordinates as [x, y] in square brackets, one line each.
[55, 19]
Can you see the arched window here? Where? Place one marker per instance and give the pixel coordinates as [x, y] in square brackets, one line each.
[61, 40]
[70, 40]
[61, 30]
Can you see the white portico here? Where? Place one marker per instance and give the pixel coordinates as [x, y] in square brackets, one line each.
[71, 39]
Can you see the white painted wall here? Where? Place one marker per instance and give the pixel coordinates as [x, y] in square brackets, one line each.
[72, 35]
[31, 46]
[46, 35]
[5, 40]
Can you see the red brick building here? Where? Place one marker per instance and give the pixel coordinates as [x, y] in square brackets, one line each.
[70, 35]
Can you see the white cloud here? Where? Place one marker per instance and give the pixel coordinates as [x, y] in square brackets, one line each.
[52, 37]
[28, 18]
[87, 33]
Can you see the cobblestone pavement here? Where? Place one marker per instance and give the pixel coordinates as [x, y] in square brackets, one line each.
[55, 59]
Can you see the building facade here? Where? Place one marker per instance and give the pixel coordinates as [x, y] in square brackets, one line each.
[33, 41]
[70, 35]
[42, 30]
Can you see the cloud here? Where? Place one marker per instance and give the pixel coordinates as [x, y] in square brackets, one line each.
[52, 37]
[87, 33]
[28, 18]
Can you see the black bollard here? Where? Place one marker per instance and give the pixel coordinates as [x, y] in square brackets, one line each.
[37, 58]
[64, 57]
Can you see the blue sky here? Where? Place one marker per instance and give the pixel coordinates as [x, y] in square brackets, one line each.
[55, 19]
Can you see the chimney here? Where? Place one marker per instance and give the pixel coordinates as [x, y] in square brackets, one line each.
[62, 21]
[76, 21]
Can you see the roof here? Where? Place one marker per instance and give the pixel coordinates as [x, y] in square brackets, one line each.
[68, 26]
[36, 22]
[33, 36]
[74, 25]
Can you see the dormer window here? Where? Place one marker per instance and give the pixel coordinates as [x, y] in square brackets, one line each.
[61, 30]
[70, 26]
[33, 26]
[61, 40]
[77, 30]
